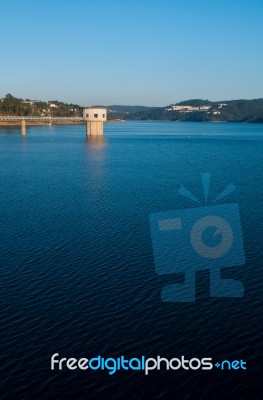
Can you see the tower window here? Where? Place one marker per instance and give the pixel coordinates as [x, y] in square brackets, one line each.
[103, 115]
[95, 115]
[87, 115]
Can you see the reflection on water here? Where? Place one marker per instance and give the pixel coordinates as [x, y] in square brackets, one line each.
[96, 141]
[9, 129]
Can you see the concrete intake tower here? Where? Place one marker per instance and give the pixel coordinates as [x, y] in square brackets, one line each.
[95, 118]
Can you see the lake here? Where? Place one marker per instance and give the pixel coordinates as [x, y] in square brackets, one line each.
[78, 275]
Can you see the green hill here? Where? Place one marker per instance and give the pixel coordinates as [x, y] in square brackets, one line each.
[189, 110]
[205, 110]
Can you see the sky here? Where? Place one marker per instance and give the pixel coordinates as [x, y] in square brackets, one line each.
[139, 52]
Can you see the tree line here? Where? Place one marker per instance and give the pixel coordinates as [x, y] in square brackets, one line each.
[11, 105]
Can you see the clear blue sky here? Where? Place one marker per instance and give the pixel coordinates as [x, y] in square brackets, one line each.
[131, 52]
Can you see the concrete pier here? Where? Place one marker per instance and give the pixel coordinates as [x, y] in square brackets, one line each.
[95, 118]
[23, 127]
[94, 128]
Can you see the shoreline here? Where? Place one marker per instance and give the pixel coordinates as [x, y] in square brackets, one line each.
[31, 123]
[35, 123]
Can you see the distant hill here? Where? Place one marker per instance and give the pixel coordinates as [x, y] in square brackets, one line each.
[123, 112]
[128, 109]
[189, 110]
[204, 110]
[196, 102]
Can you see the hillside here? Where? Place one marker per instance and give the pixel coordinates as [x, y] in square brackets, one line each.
[11, 105]
[205, 110]
[190, 110]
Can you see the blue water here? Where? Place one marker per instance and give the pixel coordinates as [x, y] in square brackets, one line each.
[77, 267]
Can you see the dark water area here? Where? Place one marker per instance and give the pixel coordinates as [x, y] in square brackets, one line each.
[77, 268]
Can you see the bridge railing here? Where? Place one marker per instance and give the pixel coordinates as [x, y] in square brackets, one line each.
[40, 119]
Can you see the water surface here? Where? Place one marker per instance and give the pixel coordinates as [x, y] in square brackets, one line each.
[77, 268]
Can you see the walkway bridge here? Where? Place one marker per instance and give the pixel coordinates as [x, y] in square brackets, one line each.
[94, 117]
[45, 120]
